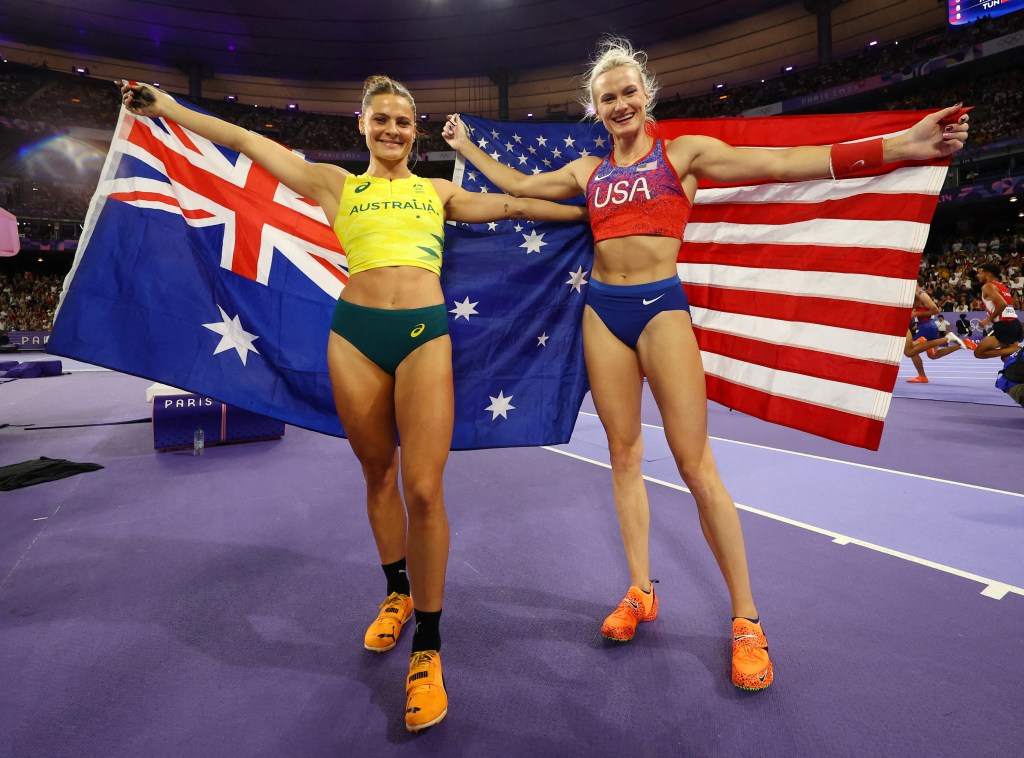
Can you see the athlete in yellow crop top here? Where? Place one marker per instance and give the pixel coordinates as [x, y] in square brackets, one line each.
[389, 345]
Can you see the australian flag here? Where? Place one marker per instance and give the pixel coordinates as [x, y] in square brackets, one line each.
[198, 269]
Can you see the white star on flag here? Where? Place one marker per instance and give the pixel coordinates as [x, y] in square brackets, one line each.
[532, 149]
[471, 175]
[576, 279]
[542, 140]
[500, 405]
[569, 142]
[495, 155]
[535, 170]
[584, 153]
[494, 134]
[599, 142]
[556, 153]
[518, 227]
[508, 146]
[522, 159]
[542, 340]
[492, 226]
[465, 309]
[485, 189]
[517, 138]
[533, 242]
[482, 143]
[232, 335]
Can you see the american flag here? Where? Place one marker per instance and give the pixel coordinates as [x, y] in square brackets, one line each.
[200, 270]
[800, 292]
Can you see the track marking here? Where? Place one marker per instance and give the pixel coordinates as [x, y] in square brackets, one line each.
[993, 588]
[846, 463]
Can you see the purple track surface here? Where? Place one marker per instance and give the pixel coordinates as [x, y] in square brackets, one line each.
[169, 605]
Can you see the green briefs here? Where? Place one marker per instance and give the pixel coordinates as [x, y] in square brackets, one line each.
[386, 337]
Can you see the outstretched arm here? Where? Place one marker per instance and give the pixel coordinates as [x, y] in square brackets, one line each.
[561, 184]
[937, 135]
[477, 207]
[321, 183]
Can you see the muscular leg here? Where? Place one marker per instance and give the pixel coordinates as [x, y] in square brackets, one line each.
[364, 397]
[425, 413]
[990, 347]
[916, 348]
[908, 351]
[671, 359]
[616, 386]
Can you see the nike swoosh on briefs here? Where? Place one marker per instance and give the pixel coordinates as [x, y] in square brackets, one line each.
[857, 163]
[648, 302]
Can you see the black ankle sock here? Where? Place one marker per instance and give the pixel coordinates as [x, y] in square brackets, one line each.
[398, 580]
[428, 631]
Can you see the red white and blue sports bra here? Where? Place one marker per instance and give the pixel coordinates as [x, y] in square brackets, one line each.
[645, 198]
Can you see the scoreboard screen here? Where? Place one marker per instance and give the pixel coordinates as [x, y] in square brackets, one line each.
[968, 11]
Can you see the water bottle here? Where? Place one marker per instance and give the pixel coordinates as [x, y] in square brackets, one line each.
[198, 442]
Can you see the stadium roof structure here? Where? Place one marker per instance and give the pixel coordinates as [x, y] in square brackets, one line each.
[350, 39]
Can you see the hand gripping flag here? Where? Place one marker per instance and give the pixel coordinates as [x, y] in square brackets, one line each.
[198, 269]
[800, 292]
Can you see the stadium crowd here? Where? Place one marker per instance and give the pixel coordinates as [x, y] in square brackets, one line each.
[28, 301]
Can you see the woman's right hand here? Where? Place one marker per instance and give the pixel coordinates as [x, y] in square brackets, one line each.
[454, 132]
[143, 100]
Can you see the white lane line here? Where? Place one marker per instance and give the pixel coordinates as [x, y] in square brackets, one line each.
[993, 588]
[848, 463]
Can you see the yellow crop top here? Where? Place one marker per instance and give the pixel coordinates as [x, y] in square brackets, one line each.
[390, 222]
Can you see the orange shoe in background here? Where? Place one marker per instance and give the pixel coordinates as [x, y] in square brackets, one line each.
[918, 380]
[636, 607]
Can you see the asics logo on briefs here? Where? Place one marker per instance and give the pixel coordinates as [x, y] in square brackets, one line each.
[362, 187]
[659, 297]
[418, 330]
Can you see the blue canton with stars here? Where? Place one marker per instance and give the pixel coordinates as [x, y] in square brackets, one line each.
[515, 292]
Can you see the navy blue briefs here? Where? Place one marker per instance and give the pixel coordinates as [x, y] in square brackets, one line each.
[627, 309]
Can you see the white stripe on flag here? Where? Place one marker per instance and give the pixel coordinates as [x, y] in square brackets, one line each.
[863, 288]
[849, 398]
[898, 235]
[827, 338]
[919, 180]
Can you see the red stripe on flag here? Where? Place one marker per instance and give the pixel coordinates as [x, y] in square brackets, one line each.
[178, 132]
[800, 360]
[881, 319]
[338, 274]
[843, 260]
[156, 197]
[848, 428]
[867, 207]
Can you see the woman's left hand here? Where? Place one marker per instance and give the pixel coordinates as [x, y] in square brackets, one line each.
[937, 135]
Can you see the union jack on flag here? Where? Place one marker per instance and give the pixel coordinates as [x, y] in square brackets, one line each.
[800, 292]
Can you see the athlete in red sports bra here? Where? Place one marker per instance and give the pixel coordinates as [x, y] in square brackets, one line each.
[1007, 330]
[634, 269]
